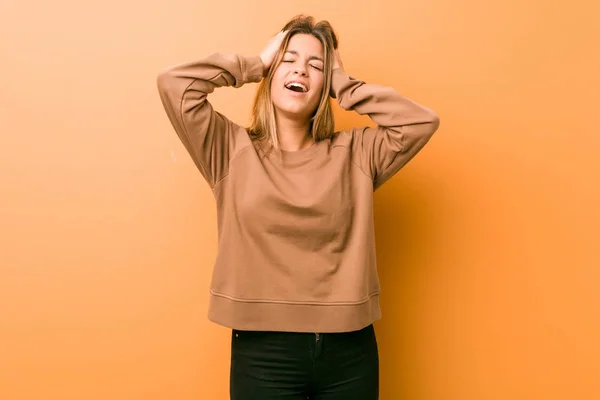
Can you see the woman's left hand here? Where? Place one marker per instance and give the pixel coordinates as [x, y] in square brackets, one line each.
[337, 60]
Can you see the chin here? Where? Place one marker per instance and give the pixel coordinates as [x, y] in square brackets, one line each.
[295, 111]
[300, 112]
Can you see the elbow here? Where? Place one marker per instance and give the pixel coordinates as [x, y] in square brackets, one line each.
[433, 122]
[164, 79]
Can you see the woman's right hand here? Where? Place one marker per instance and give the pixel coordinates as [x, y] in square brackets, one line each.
[268, 54]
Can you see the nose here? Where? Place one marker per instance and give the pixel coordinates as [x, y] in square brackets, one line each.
[300, 70]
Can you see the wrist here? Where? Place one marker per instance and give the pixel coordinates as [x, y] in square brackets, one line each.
[339, 78]
[254, 69]
[264, 65]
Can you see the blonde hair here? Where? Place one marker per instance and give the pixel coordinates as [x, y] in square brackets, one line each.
[263, 125]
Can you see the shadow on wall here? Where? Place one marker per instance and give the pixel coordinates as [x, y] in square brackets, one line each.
[405, 231]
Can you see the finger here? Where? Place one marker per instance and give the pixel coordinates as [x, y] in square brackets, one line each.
[280, 36]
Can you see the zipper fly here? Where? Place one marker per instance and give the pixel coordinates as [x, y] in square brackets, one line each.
[318, 347]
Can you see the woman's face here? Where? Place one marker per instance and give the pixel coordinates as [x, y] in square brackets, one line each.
[297, 83]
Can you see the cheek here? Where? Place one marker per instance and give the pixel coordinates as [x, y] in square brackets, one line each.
[317, 84]
[277, 74]
[278, 81]
[276, 85]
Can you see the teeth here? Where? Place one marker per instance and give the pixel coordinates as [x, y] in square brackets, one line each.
[297, 85]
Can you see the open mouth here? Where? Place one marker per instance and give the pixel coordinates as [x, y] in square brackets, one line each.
[297, 87]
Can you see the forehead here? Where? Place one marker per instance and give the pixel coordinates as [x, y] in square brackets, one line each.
[305, 45]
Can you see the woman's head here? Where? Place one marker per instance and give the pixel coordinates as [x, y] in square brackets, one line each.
[298, 83]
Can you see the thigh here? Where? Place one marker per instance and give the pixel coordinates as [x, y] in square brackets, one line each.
[269, 366]
[348, 368]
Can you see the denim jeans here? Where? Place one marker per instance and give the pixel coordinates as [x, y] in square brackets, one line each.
[300, 366]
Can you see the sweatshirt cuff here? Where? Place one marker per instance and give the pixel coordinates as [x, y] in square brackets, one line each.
[254, 69]
[339, 80]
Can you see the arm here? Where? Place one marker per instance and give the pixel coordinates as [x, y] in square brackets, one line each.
[404, 126]
[209, 137]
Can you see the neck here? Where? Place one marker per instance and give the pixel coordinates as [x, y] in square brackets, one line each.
[293, 135]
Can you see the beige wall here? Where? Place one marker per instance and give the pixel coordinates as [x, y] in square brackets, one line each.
[487, 241]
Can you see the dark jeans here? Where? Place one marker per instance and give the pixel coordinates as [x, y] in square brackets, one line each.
[300, 366]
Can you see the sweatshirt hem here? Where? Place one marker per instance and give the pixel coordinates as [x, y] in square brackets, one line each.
[293, 317]
[297, 302]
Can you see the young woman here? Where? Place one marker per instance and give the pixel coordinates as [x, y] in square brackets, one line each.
[295, 275]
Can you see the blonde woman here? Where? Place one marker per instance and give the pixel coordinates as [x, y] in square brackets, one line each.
[295, 276]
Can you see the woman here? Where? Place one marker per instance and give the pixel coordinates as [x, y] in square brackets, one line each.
[295, 275]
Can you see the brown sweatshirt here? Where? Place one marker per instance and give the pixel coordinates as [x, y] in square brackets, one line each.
[296, 246]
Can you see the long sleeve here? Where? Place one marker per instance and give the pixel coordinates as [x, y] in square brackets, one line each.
[403, 126]
[209, 137]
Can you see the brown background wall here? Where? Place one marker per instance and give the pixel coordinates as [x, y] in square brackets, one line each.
[487, 241]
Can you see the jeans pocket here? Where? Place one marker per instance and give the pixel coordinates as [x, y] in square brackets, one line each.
[248, 343]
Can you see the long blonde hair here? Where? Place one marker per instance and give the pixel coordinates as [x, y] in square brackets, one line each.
[263, 125]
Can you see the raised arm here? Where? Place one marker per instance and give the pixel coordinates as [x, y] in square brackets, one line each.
[209, 137]
[403, 126]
